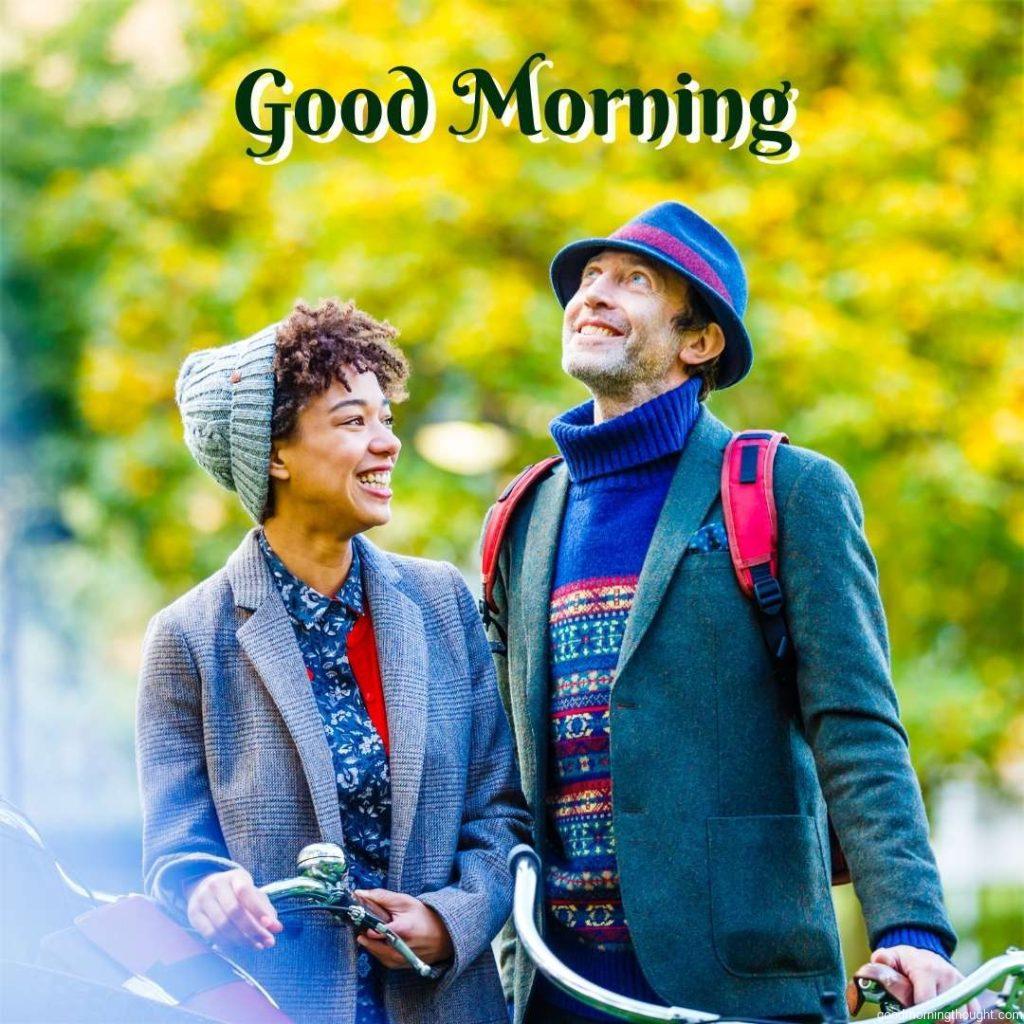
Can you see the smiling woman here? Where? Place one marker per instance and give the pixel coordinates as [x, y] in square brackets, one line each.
[336, 374]
[315, 686]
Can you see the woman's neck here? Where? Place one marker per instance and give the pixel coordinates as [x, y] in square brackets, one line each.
[319, 557]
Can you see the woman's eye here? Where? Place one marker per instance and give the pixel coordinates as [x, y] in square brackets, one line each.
[389, 421]
[637, 277]
[356, 421]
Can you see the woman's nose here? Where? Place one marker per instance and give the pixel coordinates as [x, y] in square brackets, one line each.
[386, 442]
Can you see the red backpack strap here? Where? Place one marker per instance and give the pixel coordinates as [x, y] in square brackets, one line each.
[498, 518]
[752, 525]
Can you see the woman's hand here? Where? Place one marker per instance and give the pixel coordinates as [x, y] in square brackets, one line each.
[419, 925]
[226, 907]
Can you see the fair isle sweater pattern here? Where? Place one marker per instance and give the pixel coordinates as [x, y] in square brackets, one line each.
[587, 621]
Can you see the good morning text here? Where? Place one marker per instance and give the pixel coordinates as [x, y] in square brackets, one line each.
[658, 117]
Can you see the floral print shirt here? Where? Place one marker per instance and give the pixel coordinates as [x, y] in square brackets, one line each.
[322, 625]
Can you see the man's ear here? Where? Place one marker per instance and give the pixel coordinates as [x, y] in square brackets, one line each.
[703, 346]
[278, 468]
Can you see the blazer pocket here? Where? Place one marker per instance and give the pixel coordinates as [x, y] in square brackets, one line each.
[771, 909]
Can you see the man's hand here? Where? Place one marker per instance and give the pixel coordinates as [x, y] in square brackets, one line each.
[419, 925]
[928, 973]
[227, 908]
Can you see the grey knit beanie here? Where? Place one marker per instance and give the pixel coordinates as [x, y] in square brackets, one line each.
[226, 398]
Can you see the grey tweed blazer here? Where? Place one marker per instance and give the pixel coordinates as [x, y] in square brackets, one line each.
[235, 769]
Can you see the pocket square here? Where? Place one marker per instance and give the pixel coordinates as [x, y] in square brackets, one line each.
[711, 537]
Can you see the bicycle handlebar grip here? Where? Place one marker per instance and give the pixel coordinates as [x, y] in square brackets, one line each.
[878, 983]
[518, 853]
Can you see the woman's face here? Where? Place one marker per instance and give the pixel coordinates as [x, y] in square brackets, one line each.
[335, 467]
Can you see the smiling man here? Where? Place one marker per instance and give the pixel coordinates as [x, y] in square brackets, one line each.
[678, 784]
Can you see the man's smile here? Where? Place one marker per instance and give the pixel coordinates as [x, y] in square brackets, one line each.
[594, 328]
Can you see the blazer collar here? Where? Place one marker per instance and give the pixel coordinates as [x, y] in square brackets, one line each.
[251, 581]
[247, 573]
[268, 639]
[695, 486]
[536, 575]
[403, 656]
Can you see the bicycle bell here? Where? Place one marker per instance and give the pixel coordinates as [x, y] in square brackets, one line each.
[324, 862]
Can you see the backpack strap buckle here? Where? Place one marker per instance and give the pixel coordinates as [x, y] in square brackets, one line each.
[767, 591]
[769, 600]
[488, 619]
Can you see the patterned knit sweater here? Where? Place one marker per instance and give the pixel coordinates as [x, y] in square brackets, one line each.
[619, 474]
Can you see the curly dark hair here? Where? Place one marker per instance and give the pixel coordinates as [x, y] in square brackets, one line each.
[316, 347]
[696, 318]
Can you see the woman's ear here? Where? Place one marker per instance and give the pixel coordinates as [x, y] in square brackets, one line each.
[278, 468]
[705, 345]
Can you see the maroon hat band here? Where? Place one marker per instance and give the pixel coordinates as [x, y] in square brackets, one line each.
[671, 246]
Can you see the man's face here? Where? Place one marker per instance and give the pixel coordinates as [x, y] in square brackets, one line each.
[335, 466]
[618, 333]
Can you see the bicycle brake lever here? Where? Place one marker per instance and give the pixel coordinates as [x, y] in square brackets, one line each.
[875, 992]
[364, 920]
[880, 984]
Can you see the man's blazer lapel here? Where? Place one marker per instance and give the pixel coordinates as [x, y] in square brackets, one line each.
[268, 639]
[695, 486]
[538, 570]
[402, 653]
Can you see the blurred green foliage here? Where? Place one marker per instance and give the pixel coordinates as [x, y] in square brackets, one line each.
[884, 267]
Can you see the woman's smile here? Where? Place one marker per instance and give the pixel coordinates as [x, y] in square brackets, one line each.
[376, 482]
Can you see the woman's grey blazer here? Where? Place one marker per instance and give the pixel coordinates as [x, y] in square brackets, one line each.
[235, 769]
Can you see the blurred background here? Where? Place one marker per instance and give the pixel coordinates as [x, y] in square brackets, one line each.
[885, 282]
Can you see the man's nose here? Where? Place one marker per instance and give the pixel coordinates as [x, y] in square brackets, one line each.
[597, 290]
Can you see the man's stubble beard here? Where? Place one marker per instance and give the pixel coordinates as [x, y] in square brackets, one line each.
[617, 378]
[613, 380]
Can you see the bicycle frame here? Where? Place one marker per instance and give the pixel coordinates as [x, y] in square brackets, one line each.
[525, 867]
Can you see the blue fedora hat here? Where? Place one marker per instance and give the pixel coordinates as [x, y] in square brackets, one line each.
[676, 237]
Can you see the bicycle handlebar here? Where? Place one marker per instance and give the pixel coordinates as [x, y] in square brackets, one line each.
[1008, 965]
[322, 883]
[525, 867]
[524, 864]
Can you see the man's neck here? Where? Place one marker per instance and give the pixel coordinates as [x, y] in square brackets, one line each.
[320, 558]
[608, 406]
